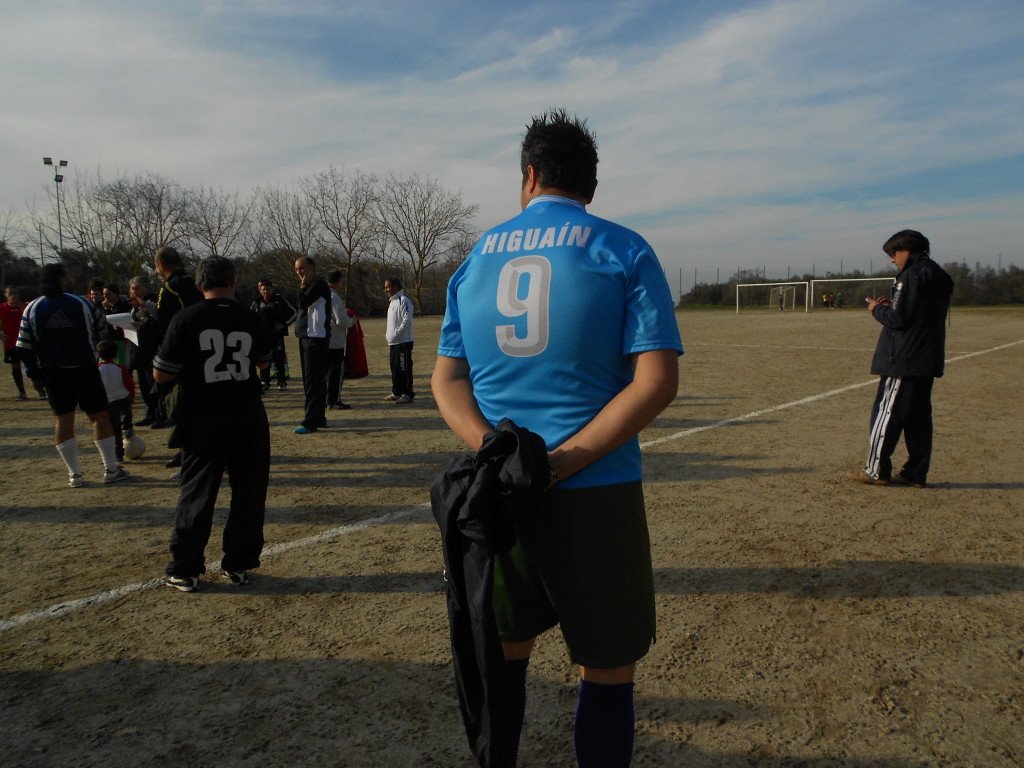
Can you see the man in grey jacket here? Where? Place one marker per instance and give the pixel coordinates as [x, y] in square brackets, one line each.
[909, 356]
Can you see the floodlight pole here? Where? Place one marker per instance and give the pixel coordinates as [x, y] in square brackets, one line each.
[58, 177]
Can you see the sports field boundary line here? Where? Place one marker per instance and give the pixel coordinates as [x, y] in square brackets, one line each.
[61, 609]
[802, 401]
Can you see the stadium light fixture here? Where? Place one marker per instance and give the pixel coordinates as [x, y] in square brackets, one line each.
[57, 179]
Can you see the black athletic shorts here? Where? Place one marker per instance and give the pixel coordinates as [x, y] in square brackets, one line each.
[584, 563]
[12, 356]
[68, 388]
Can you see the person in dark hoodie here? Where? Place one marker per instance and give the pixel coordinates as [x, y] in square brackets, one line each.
[563, 322]
[909, 356]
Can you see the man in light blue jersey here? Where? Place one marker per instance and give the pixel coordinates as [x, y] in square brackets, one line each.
[564, 323]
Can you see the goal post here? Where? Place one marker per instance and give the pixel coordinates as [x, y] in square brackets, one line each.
[846, 291]
[783, 297]
[776, 296]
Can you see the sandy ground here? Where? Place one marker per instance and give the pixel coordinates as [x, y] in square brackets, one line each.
[803, 620]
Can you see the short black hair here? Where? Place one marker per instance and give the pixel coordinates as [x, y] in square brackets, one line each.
[562, 151]
[395, 282]
[97, 285]
[266, 281]
[334, 275]
[49, 279]
[215, 272]
[907, 240]
[107, 350]
[168, 256]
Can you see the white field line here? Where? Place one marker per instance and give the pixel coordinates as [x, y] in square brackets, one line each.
[802, 401]
[60, 609]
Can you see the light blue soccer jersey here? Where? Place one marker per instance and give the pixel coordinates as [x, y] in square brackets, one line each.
[547, 309]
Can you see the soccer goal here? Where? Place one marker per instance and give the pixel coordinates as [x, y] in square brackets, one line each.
[783, 297]
[771, 296]
[839, 292]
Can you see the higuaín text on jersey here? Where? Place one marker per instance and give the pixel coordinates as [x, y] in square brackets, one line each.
[535, 238]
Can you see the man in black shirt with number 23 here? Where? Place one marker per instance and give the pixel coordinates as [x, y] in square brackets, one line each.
[214, 349]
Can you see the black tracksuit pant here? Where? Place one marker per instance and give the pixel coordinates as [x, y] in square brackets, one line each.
[231, 437]
[903, 405]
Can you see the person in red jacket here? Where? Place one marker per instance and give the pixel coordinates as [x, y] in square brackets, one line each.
[10, 321]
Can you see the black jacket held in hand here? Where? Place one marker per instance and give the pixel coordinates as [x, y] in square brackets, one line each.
[913, 338]
[476, 502]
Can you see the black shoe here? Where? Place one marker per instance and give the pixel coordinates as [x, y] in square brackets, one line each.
[900, 479]
[145, 422]
[174, 462]
[159, 424]
[182, 583]
[241, 578]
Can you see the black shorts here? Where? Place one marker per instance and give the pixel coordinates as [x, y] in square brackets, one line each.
[68, 388]
[584, 563]
[12, 356]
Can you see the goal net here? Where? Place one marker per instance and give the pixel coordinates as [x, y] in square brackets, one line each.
[783, 298]
[771, 296]
[837, 293]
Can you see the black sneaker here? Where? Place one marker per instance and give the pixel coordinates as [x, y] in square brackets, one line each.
[173, 462]
[241, 578]
[901, 479]
[145, 422]
[182, 583]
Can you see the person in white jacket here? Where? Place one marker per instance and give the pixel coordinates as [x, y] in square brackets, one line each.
[399, 338]
[340, 323]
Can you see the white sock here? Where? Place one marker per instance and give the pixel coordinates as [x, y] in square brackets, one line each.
[108, 450]
[68, 451]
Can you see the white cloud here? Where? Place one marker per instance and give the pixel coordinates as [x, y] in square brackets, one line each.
[725, 140]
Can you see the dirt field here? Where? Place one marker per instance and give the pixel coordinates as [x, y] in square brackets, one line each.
[803, 620]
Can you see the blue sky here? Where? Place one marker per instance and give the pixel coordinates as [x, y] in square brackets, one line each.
[777, 135]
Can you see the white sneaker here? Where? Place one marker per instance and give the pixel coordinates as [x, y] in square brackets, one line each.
[390, 398]
[76, 481]
[116, 476]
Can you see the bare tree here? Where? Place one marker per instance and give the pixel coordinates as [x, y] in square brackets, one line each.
[218, 222]
[424, 222]
[287, 221]
[343, 202]
[144, 213]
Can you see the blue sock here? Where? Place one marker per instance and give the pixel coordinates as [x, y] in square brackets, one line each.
[516, 671]
[604, 725]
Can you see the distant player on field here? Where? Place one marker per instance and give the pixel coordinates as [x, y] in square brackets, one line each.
[564, 323]
[213, 349]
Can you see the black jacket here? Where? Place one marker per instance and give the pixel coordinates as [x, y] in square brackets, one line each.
[276, 314]
[913, 338]
[178, 291]
[476, 501]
